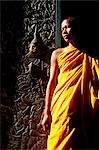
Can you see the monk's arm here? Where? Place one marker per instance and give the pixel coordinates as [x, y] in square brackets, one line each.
[52, 81]
[50, 90]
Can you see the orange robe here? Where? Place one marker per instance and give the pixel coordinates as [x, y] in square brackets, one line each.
[74, 100]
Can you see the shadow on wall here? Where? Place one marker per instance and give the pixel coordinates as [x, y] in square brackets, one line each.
[11, 33]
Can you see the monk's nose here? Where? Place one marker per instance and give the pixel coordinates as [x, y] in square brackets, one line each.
[65, 30]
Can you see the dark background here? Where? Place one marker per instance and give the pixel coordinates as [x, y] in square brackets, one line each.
[10, 53]
[89, 14]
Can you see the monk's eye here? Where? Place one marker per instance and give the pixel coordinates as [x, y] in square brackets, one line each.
[64, 28]
[69, 26]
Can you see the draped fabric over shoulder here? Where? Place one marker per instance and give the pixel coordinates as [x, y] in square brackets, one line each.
[74, 100]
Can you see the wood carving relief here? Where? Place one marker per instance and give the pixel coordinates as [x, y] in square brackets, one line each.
[33, 73]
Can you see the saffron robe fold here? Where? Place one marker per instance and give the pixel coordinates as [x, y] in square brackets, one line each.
[74, 100]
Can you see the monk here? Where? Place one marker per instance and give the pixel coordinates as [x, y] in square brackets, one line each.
[72, 94]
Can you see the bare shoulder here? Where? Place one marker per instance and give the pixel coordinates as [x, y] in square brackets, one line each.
[56, 52]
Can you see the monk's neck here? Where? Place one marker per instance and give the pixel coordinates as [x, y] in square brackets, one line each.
[72, 45]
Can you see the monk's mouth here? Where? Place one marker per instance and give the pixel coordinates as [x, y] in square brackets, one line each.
[66, 36]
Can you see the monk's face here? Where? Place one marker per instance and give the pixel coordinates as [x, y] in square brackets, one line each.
[66, 31]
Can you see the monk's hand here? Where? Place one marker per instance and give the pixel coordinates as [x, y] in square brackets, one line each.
[46, 121]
